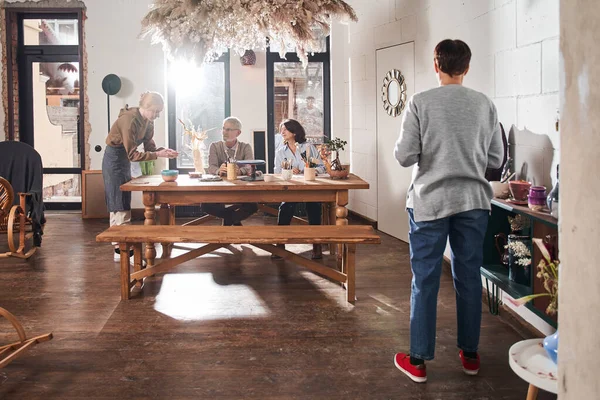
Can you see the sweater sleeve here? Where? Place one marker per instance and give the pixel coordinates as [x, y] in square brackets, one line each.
[247, 154]
[408, 146]
[129, 133]
[213, 159]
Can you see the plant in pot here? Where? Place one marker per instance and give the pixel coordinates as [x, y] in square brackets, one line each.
[548, 268]
[335, 169]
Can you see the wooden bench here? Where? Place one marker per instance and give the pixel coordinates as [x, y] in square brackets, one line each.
[214, 237]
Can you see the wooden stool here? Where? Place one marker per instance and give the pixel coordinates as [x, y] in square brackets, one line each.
[529, 361]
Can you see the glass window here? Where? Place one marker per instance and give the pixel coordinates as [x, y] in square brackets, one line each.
[200, 103]
[298, 94]
[54, 32]
[55, 112]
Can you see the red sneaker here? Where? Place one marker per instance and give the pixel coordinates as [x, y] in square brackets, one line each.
[470, 365]
[418, 373]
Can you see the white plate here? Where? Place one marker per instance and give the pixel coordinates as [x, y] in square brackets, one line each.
[530, 362]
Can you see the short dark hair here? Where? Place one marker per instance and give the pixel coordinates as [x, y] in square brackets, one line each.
[452, 56]
[294, 127]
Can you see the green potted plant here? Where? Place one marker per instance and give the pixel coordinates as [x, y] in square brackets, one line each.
[335, 169]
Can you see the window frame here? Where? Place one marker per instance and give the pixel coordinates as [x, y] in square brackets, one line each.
[172, 107]
[272, 58]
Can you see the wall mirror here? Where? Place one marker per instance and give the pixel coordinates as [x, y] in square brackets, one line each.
[394, 92]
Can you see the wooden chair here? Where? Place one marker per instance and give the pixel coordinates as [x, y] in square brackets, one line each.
[14, 221]
[14, 350]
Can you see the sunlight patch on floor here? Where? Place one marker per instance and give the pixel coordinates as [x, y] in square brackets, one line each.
[193, 297]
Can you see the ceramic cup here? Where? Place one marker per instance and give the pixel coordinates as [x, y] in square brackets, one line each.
[231, 173]
[268, 178]
[286, 174]
[310, 174]
[537, 198]
[500, 189]
[519, 190]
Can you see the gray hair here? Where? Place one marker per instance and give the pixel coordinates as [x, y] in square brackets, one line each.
[237, 124]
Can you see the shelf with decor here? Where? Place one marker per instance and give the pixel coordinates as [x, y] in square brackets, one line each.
[535, 224]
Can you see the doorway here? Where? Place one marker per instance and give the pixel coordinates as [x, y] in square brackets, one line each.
[50, 94]
[392, 179]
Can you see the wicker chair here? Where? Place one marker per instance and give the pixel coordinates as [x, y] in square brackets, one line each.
[13, 350]
[14, 222]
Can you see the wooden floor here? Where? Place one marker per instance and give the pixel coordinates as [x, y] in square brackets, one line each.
[230, 326]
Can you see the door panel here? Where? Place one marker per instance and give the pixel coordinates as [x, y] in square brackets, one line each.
[392, 179]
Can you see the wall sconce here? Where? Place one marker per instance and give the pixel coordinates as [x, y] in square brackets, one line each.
[249, 58]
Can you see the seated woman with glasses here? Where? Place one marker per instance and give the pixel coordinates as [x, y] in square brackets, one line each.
[294, 152]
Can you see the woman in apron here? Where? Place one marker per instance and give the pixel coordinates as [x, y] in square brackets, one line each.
[134, 126]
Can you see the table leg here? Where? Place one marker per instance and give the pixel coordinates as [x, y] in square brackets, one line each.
[332, 246]
[532, 392]
[149, 215]
[341, 213]
[164, 216]
[125, 274]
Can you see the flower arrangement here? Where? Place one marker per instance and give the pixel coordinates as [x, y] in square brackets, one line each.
[202, 30]
[198, 138]
[548, 271]
[521, 252]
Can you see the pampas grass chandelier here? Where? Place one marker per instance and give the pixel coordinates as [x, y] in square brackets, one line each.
[202, 30]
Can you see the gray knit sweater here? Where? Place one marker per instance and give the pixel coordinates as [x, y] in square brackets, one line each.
[452, 134]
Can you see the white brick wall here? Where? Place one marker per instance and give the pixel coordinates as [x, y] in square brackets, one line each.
[515, 62]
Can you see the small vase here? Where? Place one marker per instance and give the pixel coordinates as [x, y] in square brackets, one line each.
[551, 346]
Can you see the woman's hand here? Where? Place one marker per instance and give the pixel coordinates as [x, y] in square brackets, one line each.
[295, 171]
[167, 153]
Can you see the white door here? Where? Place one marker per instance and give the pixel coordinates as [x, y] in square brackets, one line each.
[392, 179]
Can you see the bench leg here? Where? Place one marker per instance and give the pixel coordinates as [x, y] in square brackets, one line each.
[349, 263]
[124, 271]
[137, 263]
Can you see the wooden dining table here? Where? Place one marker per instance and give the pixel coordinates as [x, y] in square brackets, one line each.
[187, 191]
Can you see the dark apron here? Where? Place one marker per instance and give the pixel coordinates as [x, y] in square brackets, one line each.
[116, 170]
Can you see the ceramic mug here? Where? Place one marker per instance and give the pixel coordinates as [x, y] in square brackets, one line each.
[286, 174]
[310, 174]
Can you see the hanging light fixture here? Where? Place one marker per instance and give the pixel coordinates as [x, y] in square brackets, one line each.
[203, 30]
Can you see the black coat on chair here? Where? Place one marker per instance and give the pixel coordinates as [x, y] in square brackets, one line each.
[21, 165]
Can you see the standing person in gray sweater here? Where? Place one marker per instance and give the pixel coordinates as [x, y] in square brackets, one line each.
[451, 135]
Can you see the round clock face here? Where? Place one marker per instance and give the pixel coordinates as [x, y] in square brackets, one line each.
[394, 92]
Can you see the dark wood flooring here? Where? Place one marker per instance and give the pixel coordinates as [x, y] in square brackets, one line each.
[233, 325]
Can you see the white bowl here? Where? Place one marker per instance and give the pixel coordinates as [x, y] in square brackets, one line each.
[500, 189]
[268, 178]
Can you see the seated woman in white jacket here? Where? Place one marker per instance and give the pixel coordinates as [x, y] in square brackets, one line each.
[295, 145]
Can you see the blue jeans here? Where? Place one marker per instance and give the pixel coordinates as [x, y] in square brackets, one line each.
[427, 244]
